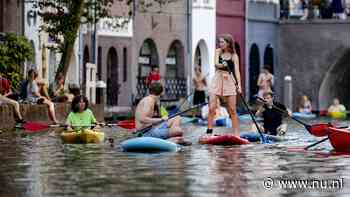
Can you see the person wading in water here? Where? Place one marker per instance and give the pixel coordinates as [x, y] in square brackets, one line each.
[223, 84]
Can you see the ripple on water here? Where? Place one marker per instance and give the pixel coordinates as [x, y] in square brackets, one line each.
[40, 165]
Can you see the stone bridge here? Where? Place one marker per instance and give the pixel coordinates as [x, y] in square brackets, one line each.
[317, 56]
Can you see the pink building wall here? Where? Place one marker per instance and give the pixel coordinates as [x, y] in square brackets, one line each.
[230, 18]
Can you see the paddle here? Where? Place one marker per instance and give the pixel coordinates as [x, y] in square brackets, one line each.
[141, 132]
[33, 127]
[263, 139]
[186, 98]
[317, 130]
[314, 144]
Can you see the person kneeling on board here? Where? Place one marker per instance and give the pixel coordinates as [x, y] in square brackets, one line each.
[145, 116]
[272, 117]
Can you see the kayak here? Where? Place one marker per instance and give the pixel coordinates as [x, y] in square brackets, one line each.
[82, 137]
[255, 137]
[340, 139]
[222, 140]
[303, 115]
[148, 145]
[337, 114]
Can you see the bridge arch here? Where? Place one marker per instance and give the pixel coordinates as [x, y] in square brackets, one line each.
[336, 83]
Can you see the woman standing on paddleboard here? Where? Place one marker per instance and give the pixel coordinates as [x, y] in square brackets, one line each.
[224, 84]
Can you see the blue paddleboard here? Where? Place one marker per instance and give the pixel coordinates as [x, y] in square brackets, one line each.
[147, 145]
[304, 115]
[255, 137]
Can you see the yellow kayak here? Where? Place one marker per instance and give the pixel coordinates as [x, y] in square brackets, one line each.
[85, 136]
[337, 114]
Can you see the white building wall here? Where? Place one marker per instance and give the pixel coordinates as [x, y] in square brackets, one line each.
[45, 62]
[32, 22]
[204, 34]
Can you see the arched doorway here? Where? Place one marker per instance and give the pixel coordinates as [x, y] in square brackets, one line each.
[254, 70]
[175, 61]
[201, 57]
[148, 57]
[336, 83]
[86, 59]
[112, 77]
[268, 57]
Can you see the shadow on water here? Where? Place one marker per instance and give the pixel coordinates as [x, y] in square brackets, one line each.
[40, 165]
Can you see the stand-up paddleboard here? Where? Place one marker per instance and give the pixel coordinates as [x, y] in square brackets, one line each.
[255, 137]
[148, 145]
[303, 115]
[222, 140]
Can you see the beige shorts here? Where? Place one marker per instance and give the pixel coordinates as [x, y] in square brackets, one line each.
[223, 84]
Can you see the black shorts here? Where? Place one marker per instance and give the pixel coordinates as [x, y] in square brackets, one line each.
[198, 97]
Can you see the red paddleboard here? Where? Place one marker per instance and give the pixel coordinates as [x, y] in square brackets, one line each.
[222, 140]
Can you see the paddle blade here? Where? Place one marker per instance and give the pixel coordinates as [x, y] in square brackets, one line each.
[127, 124]
[319, 130]
[33, 127]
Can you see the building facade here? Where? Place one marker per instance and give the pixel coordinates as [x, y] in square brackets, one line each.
[46, 60]
[261, 46]
[230, 19]
[11, 16]
[203, 28]
[160, 39]
[113, 56]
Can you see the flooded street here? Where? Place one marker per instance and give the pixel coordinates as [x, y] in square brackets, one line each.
[40, 165]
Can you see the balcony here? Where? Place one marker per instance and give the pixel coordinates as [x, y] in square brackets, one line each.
[175, 88]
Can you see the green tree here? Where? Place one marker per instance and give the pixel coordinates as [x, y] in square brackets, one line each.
[14, 51]
[63, 18]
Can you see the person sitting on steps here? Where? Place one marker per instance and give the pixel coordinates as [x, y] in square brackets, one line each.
[5, 91]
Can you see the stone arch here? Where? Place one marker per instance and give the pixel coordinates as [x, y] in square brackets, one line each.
[268, 57]
[254, 70]
[201, 56]
[112, 77]
[336, 83]
[148, 56]
[175, 60]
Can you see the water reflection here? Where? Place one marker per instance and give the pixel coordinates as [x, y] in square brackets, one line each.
[40, 165]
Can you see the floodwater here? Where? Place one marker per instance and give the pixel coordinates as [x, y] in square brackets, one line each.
[40, 165]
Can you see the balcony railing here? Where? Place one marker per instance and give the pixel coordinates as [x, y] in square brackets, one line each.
[174, 88]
